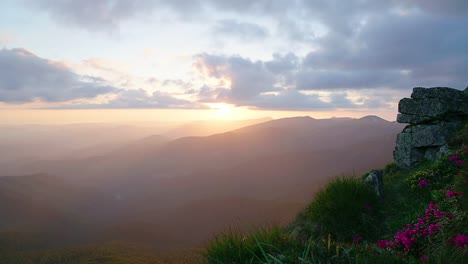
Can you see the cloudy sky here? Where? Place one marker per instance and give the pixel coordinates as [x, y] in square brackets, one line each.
[352, 57]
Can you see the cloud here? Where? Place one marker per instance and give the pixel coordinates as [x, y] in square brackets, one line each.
[25, 77]
[178, 83]
[346, 46]
[95, 15]
[242, 30]
[138, 99]
[248, 78]
[392, 51]
[264, 84]
[350, 79]
[291, 99]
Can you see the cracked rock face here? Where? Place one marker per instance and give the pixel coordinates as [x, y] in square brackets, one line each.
[434, 115]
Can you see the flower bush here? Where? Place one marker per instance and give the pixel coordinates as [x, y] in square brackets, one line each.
[436, 224]
[414, 238]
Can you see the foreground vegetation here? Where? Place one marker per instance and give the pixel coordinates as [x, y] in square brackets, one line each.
[18, 249]
[422, 218]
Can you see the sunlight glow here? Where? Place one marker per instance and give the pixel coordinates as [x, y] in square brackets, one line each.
[223, 110]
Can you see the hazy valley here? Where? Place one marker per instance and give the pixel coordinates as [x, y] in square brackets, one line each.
[168, 190]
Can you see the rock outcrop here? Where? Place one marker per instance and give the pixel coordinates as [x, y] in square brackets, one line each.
[434, 115]
[375, 180]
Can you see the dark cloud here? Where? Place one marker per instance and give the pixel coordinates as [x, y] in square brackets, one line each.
[281, 64]
[25, 77]
[242, 30]
[449, 7]
[392, 51]
[350, 79]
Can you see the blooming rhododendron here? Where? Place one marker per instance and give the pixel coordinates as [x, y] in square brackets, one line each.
[451, 194]
[423, 183]
[460, 240]
[424, 257]
[383, 244]
[425, 227]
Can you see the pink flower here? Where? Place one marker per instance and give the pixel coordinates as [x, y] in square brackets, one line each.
[423, 183]
[460, 240]
[451, 194]
[465, 150]
[357, 239]
[459, 162]
[383, 244]
[424, 258]
[421, 221]
[402, 238]
[438, 214]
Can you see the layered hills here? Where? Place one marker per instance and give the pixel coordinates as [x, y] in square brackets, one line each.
[176, 193]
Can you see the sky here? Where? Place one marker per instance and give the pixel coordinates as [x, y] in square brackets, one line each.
[116, 60]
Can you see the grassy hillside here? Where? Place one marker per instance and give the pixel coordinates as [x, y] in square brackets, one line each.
[423, 218]
[21, 249]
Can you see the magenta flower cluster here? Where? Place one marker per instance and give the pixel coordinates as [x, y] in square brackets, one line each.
[451, 194]
[425, 227]
[457, 158]
[461, 240]
[423, 183]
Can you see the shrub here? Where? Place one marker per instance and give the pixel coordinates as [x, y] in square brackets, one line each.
[346, 208]
[460, 138]
[436, 174]
[391, 169]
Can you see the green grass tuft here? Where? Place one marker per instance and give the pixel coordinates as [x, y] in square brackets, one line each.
[346, 208]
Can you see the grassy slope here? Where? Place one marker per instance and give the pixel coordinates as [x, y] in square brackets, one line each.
[15, 249]
[402, 204]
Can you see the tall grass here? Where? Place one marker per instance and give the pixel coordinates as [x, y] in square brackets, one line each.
[347, 209]
[233, 246]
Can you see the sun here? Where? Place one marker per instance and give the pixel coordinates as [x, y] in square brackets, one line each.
[223, 110]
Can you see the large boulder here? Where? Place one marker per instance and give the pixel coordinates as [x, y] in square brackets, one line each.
[434, 115]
